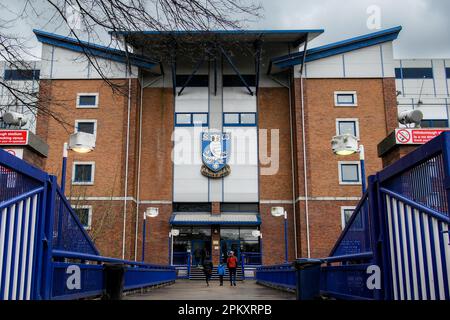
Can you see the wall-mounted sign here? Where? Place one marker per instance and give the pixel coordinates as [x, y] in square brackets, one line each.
[416, 136]
[215, 154]
[13, 137]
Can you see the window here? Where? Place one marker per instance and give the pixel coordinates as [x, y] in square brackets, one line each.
[347, 126]
[346, 214]
[235, 81]
[191, 119]
[87, 100]
[447, 72]
[83, 173]
[88, 126]
[414, 73]
[21, 75]
[239, 207]
[345, 99]
[198, 80]
[239, 119]
[192, 207]
[349, 173]
[84, 214]
[434, 124]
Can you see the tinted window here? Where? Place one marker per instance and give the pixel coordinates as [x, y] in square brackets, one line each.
[239, 207]
[22, 75]
[87, 100]
[414, 73]
[192, 207]
[434, 124]
[447, 71]
[88, 127]
[83, 215]
[83, 173]
[196, 80]
[235, 81]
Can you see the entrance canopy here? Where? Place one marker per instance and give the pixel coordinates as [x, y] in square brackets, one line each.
[224, 219]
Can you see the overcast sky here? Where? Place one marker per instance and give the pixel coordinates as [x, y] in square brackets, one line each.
[425, 34]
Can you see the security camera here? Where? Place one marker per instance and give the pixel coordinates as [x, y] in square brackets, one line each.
[14, 119]
[411, 117]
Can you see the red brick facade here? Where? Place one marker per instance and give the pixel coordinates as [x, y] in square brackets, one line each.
[375, 112]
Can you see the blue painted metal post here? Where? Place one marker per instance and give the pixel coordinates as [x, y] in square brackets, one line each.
[261, 248]
[143, 237]
[286, 252]
[64, 168]
[363, 168]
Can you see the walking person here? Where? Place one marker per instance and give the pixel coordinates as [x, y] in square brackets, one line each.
[221, 272]
[207, 269]
[232, 266]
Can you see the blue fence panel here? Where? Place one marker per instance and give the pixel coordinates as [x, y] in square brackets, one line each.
[282, 276]
[65, 286]
[138, 277]
[346, 282]
[68, 232]
[356, 237]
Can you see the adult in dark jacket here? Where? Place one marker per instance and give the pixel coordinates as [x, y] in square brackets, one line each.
[208, 269]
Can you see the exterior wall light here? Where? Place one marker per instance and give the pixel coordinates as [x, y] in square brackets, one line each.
[346, 145]
[82, 142]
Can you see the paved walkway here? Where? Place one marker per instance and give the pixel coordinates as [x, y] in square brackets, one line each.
[197, 290]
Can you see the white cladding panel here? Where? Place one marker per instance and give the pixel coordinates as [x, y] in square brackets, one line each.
[371, 62]
[189, 184]
[59, 63]
[365, 63]
[332, 67]
[242, 184]
[238, 99]
[192, 100]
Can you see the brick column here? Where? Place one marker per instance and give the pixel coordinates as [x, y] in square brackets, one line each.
[215, 237]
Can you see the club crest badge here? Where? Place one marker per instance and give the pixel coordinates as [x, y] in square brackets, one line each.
[215, 154]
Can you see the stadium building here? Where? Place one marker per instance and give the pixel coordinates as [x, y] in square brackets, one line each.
[218, 132]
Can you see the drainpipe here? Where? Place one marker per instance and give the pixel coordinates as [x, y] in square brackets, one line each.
[126, 171]
[294, 198]
[305, 166]
[138, 192]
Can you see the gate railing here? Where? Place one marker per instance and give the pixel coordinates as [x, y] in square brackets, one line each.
[405, 254]
[45, 253]
[396, 245]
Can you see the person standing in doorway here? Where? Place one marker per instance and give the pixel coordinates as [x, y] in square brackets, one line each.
[232, 266]
[221, 272]
[207, 269]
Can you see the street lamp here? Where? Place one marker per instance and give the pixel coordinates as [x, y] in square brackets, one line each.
[149, 213]
[80, 142]
[280, 212]
[172, 233]
[346, 145]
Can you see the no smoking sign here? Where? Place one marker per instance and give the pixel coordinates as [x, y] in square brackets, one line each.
[403, 136]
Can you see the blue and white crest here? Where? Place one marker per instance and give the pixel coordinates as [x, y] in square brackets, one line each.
[215, 150]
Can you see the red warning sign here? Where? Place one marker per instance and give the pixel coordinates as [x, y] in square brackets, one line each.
[13, 137]
[417, 136]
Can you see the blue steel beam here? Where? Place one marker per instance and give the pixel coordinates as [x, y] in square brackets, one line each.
[236, 70]
[199, 64]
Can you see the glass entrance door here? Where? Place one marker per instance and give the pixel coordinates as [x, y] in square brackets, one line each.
[200, 250]
[230, 245]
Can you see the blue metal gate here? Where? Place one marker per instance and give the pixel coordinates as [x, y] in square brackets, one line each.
[45, 253]
[396, 245]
